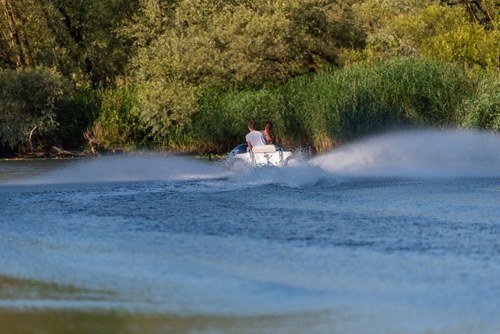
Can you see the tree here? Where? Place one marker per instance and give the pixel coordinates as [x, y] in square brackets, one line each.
[77, 37]
[28, 103]
[451, 37]
[430, 29]
[484, 12]
[182, 47]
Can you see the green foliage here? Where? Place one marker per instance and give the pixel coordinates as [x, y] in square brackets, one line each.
[187, 47]
[221, 121]
[190, 73]
[389, 27]
[482, 110]
[426, 28]
[117, 125]
[165, 107]
[29, 99]
[449, 36]
[74, 116]
[77, 37]
[403, 91]
[310, 114]
[325, 109]
[241, 42]
[359, 100]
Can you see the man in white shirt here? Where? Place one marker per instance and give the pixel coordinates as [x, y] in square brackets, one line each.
[254, 138]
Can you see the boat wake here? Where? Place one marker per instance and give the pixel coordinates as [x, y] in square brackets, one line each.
[427, 153]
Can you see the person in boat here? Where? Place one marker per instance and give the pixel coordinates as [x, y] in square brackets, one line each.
[268, 135]
[254, 138]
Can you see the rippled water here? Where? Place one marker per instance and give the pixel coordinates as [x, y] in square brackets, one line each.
[394, 234]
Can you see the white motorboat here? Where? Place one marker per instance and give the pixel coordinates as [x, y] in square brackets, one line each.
[265, 155]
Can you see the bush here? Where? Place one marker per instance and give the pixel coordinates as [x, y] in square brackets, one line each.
[74, 116]
[117, 126]
[29, 98]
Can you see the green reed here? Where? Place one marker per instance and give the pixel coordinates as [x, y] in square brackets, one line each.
[322, 110]
[482, 110]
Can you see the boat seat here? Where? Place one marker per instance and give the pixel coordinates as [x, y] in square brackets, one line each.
[264, 149]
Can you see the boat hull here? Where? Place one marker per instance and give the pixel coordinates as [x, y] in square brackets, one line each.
[271, 155]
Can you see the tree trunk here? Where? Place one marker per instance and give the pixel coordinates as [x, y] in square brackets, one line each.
[28, 58]
[19, 39]
[31, 142]
[55, 33]
[160, 18]
[14, 36]
[76, 35]
[473, 7]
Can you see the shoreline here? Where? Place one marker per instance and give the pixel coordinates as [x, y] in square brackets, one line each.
[84, 155]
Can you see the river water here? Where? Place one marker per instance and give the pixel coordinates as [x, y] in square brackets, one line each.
[397, 233]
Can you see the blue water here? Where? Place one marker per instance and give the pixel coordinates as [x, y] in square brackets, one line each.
[398, 233]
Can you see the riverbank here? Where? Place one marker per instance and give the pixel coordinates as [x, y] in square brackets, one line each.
[40, 156]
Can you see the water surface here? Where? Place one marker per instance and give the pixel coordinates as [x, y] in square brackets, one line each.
[394, 234]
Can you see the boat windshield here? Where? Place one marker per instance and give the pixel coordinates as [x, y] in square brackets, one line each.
[240, 149]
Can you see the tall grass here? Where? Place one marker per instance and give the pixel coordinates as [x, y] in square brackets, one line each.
[400, 92]
[482, 110]
[322, 110]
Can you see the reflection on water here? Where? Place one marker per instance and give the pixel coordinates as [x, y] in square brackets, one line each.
[15, 170]
[105, 322]
[54, 318]
[388, 235]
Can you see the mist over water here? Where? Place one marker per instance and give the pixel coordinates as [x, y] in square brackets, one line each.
[430, 153]
[396, 233]
[126, 168]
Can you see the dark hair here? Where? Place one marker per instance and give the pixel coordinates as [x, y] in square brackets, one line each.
[251, 124]
[268, 133]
